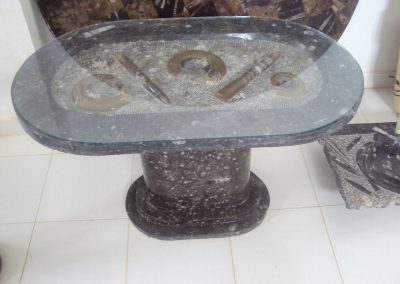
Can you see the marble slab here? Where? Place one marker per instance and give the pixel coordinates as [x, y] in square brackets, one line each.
[328, 16]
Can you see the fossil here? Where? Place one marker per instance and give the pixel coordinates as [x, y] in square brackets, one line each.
[146, 82]
[211, 67]
[287, 84]
[241, 82]
[92, 93]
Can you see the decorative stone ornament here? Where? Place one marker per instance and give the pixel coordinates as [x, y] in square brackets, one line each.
[366, 161]
[328, 16]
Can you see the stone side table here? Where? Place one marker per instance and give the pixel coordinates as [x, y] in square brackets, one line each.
[154, 87]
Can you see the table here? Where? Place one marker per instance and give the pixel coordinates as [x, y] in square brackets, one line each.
[192, 95]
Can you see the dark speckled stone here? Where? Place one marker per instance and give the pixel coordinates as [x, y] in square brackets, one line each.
[255, 122]
[329, 16]
[365, 159]
[197, 182]
[199, 194]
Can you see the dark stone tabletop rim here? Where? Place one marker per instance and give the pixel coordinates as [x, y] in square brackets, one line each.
[88, 147]
[102, 149]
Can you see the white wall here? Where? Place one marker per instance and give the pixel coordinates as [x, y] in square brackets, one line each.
[373, 38]
[15, 47]
[40, 34]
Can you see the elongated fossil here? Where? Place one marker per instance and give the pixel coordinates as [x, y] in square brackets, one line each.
[145, 81]
[241, 82]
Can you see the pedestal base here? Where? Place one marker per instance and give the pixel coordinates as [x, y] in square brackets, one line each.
[159, 218]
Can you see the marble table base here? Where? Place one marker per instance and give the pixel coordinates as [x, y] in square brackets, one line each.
[197, 194]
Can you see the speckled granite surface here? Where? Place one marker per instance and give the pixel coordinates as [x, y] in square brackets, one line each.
[197, 194]
[72, 95]
[254, 122]
[366, 161]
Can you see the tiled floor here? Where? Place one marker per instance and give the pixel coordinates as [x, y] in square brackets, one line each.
[62, 220]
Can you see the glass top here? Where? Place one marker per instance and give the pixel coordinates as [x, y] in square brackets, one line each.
[187, 79]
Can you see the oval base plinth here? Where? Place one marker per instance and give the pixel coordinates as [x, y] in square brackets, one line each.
[200, 221]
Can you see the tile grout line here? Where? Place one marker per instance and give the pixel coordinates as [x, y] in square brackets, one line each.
[26, 255]
[127, 253]
[129, 227]
[43, 188]
[232, 261]
[306, 207]
[363, 113]
[83, 220]
[293, 208]
[132, 167]
[25, 155]
[80, 220]
[380, 88]
[16, 223]
[127, 218]
[331, 243]
[334, 205]
[36, 216]
[380, 96]
[309, 175]
[322, 215]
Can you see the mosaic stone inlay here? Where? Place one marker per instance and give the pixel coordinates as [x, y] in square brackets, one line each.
[328, 16]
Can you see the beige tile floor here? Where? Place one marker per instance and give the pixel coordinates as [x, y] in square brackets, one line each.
[62, 220]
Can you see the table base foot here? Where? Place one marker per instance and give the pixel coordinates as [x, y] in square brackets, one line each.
[173, 219]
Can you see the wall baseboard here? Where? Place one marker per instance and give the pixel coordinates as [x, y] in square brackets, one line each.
[379, 80]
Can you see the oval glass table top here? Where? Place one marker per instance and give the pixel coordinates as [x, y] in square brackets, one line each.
[162, 83]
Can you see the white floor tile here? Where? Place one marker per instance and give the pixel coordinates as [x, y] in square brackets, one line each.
[153, 261]
[14, 240]
[378, 105]
[84, 252]
[82, 188]
[56, 152]
[137, 167]
[21, 183]
[322, 175]
[359, 117]
[21, 145]
[366, 243]
[284, 172]
[9, 126]
[290, 246]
